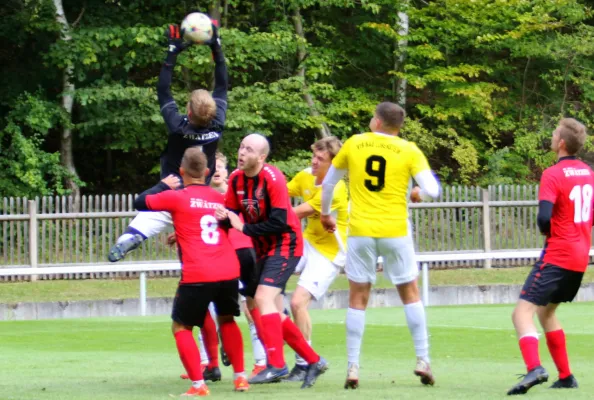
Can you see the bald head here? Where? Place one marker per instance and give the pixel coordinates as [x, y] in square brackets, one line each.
[257, 142]
[253, 150]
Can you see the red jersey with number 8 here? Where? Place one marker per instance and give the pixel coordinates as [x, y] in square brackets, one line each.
[204, 248]
[569, 185]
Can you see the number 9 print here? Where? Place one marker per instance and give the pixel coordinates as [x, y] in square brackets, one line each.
[375, 166]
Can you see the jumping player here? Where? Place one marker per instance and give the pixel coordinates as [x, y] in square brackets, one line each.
[323, 256]
[380, 166]
[201, 244]
[201, 126]
[259, 192]
[565, 218]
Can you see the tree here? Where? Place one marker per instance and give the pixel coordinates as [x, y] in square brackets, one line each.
[66, 149]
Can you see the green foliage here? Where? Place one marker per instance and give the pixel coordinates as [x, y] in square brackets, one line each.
[486, 82]
[27, 169]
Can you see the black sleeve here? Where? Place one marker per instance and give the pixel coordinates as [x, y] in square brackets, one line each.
[543, 219]
[173, 119]
[140, 201]
[276, 224]
[219, 94]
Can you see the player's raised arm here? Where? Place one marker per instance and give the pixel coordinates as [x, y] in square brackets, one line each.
[169, 110]
[279, 203]
[221, 78]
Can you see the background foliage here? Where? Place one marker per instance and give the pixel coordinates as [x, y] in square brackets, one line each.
[486, 82]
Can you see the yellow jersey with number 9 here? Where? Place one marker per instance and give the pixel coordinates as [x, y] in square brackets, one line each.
[380, 168]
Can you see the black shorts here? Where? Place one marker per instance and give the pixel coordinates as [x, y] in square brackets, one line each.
[191, 301]
[247, 266]
[272, 271]
[549, 283]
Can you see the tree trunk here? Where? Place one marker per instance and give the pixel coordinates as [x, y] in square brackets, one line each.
[214, 10]
[399, 86]
[225, 14]
[66, 153]
[323, 130]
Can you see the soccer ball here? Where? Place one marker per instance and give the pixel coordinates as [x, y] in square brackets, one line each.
[197, 28]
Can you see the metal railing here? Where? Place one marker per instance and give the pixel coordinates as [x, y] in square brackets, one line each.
[144, 268]
[62, 231]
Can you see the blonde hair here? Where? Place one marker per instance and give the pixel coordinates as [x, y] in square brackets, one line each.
[221, 157]
[202, 108]
[194, 162]
[573, 134]
[331, 144]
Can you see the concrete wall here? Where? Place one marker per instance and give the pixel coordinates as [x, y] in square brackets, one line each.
[438, 295]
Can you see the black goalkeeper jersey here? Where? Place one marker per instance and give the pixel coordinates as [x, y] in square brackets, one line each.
[182, 134]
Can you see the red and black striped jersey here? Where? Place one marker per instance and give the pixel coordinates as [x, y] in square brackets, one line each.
[264, 202]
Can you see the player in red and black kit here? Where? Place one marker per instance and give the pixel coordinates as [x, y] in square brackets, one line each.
[565, 218]
[210, 269]
[259, 192]
[202, 126]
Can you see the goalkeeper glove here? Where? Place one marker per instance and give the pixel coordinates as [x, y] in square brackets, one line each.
[215, 40]
[175, 41]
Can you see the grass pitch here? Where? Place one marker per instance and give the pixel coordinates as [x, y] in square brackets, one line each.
[474, 356]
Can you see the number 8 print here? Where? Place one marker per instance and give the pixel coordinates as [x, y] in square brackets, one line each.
[582, 202]
[210, 229]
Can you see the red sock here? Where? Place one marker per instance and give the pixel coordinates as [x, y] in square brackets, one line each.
[257, 318]
[189, 354]
[558, 350]
[273, 339]
[233, 345]
[295, 339]
[529, 349]
[211, 340]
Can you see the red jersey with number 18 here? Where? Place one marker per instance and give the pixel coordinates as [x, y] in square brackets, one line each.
[204, 249]
[569, 186]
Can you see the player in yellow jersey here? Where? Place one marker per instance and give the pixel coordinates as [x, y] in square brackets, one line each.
[323, 254]
[380, 166]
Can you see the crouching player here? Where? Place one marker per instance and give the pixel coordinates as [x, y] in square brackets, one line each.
[210, 269]
[565, 217]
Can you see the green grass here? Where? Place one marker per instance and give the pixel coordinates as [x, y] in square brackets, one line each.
[96, 289]
[474, 355]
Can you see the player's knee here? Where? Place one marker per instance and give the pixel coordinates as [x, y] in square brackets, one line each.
[177, 327]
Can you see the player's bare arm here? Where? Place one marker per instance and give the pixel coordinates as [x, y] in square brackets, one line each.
[235, 221]
[304, 210]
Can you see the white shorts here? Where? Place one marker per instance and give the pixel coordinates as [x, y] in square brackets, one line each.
[318, 272]
[400, 265]
[151, 223]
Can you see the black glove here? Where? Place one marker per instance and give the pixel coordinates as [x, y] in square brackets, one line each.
[175, 40]
[215, 40]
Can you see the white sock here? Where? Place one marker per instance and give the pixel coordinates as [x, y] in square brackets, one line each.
[257, 348]
[300, 361]
[213, 314]
[238, 374]
[355, 325]
[124, 237]
[203, 355]
[197, 384]
[417, 325]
